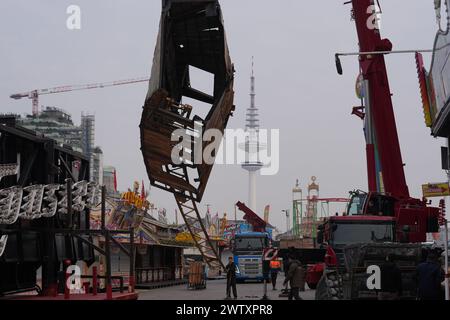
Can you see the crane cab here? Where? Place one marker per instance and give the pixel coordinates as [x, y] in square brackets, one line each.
[371, 204]
[412, 217]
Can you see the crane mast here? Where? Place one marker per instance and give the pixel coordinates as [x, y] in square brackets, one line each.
[386, 146]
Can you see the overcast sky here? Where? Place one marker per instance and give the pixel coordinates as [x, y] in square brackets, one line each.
[298, 89]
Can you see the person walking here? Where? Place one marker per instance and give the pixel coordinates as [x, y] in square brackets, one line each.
[285, 271]
[391, 280]
[430, 275]
[275, 267]
[231, 278]
[295, 277]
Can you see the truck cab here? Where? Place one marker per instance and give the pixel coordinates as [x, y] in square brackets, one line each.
[374, 225]
[339, 232]
[248, 251]
[413, 219]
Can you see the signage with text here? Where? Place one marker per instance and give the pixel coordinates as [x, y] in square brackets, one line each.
[436, 190]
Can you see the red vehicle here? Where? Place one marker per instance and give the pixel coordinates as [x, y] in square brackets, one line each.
[387, 213]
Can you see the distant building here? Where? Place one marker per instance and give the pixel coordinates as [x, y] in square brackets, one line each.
[109, 182]
[57, 124]
[88, 133]
[88, 144]
[96, 168]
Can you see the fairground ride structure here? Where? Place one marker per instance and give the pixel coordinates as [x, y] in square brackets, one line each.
[191, 36]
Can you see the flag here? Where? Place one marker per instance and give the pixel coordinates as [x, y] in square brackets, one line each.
[115, 180]
[143, 191]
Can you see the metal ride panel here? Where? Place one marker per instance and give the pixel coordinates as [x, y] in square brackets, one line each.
[435, 84]
[32, 188]
[191, 36]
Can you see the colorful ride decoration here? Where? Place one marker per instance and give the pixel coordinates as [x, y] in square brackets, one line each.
[186, 237]
[435, 84]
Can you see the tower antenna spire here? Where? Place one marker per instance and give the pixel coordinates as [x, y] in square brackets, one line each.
[252, 112]
[253, 66]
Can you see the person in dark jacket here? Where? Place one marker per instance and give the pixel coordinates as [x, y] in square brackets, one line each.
[296, 278]
[231, 278]
[391, 280]
[430, 275]
[286, 262]
[285, 271]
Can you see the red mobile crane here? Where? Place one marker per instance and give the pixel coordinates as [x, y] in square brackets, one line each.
[388, 191]
[386, 220]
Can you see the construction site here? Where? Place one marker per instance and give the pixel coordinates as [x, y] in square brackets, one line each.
[239, 159]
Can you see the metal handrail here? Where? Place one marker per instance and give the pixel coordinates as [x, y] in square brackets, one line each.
[120, 278]
[156, 274]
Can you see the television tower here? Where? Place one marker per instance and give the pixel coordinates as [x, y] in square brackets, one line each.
[252, 145]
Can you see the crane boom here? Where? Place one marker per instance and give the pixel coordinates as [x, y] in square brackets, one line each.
[336, 200]
[34, 95]
[386, 142]
[258, 224]
[388, 192]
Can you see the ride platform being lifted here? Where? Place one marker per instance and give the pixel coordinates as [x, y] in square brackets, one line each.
[191, 36]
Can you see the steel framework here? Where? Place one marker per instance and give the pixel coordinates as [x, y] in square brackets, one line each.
[190, 214]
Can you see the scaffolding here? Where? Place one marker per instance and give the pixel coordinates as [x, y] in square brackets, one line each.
[308, 226]
[305, 220]
[88, 133]
[297, 209]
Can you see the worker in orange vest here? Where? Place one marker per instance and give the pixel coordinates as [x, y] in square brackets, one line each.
[275, 267]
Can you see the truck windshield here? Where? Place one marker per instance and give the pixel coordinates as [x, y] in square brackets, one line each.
[250, 244]
[345, 234]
